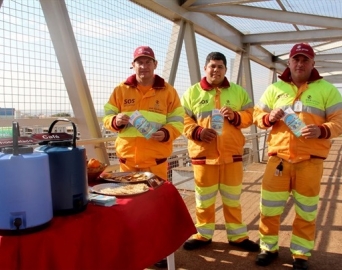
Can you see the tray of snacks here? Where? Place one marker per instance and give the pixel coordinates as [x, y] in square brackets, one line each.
[132, 178]
[126, 177]
[120, 189]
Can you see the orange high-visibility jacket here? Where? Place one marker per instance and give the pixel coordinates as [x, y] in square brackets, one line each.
[160, 106]
[322, 106]
[198, 102]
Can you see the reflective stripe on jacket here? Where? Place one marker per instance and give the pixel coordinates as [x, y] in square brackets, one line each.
[198, 102]
[322, 106]
[160, 105]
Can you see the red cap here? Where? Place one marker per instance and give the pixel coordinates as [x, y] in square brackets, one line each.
[143, 51]
[304, 49]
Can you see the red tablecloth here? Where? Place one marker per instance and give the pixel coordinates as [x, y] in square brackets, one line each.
[133, 234]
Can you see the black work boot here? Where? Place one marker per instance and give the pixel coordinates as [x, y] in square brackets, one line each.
[264, 258]
[246, 245]
[195, 244]
[300, 264]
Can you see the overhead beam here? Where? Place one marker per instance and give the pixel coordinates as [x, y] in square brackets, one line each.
[280, 3]
[209, 26]
[215, 28]
[272, 15]
[293, 37]
[333, 79]
[264, 58]
[219, 2]
[328, 69]
[319, 49]
[327, 57]
[187, 3]
[328, 64]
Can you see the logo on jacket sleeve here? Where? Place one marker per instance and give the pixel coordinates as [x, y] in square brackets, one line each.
[204, 101]
[283, 96]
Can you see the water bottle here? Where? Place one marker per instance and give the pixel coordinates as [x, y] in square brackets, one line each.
[292, 120]
[217, 121]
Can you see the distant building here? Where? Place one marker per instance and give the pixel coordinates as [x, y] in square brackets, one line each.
[7, 113]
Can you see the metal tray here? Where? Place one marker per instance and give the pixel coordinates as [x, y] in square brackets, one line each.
[115, 188]
[150, 179]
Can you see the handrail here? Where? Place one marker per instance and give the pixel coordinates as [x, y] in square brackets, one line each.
[180, 156]
[95, 140]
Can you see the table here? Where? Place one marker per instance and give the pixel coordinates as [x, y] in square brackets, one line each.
[133, 234]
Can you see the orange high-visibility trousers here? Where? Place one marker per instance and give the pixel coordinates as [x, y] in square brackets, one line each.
[303, 181]
[227, 179]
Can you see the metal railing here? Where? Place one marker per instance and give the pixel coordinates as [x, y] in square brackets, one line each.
[179, 160]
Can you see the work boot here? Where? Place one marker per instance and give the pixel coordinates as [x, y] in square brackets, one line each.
[300, 264]
[246, 245]
[264, 258]
[195, 244]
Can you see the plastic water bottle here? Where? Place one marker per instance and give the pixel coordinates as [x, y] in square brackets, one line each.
[292, 120]
[217, 121]
[142, 125]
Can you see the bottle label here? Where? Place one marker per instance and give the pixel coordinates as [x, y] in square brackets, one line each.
[142, 125]
[292, 120]
[217, 121]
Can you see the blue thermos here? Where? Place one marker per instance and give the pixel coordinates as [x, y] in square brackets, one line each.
[68, 171]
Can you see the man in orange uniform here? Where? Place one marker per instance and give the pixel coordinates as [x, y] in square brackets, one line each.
[216, 151]
[295, 162]
[159, 104]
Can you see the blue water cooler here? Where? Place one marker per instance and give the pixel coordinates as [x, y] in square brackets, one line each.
[25, 188]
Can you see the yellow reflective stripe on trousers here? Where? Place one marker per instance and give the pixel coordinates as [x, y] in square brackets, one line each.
[231, 198]
[236, 231]
[230, 195]
[300, 246]
[207, 230]
[269, 242]
[273, 203]
[205, 196]
[306, 207]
